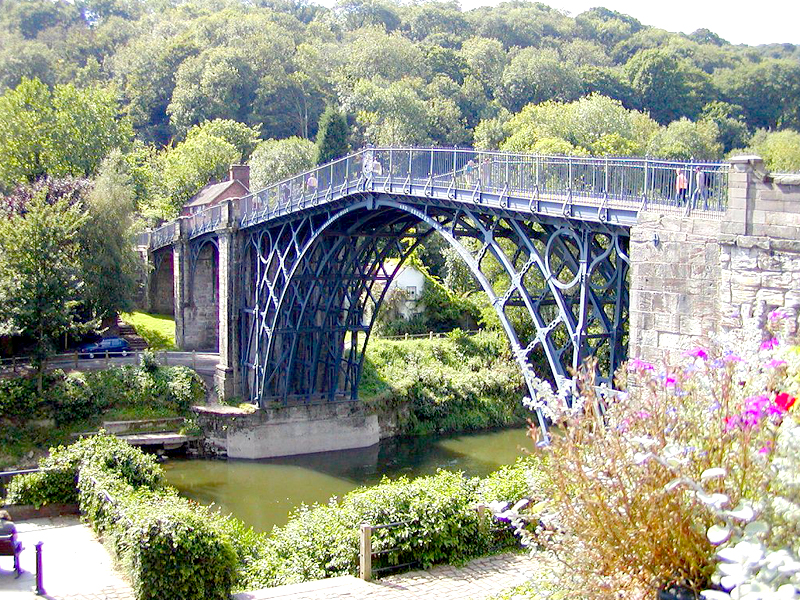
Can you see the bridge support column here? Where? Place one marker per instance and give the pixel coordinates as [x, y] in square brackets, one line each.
[180, 255]
[226, 377]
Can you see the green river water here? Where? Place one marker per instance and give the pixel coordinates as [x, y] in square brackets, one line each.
[263, 492]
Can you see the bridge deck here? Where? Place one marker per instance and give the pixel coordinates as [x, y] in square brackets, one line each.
[606, 190]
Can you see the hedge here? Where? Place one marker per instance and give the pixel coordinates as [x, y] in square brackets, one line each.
[172, 548]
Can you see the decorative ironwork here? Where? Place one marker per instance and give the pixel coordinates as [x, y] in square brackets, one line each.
[315, 283]
[315, 268]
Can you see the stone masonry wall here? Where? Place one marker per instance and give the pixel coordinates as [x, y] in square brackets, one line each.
[675, 279]
[202, 313]
[693, 279]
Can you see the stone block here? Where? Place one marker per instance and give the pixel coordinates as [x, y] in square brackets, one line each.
[771, 297]
[776, 231]
[780, 280]
[706, 227]
[666, 322]
[782, 218]
[746, 279]
[744, 259]
[671, 341]
[691, 326]
[752, 241]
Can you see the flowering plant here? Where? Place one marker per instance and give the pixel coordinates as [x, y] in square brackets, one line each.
[623, 507]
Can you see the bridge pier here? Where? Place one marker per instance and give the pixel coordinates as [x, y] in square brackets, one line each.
[694, 278]
[226, 377]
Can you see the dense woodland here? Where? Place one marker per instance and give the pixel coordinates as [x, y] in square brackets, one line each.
[184, 88]
[115, 112]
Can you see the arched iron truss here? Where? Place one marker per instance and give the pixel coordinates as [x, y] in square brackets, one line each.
[313, 283]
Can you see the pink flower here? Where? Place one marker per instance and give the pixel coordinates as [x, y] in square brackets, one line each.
[775, 363]
[777, 314]
[731, 357]
[784, 401]
[770, 344]
[766, 448]
[636, 364]
[697, 353]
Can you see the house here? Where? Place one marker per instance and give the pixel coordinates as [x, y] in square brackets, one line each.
[236, 186]
[409, 282]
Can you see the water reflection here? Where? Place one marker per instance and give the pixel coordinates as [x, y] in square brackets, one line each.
[263, 492]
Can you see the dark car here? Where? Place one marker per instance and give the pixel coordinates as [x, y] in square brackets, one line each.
[110, 346]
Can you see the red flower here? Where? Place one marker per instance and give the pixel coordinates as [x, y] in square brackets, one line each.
[784, 400]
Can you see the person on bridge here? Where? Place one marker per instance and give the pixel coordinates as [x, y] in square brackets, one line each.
[700, 190]
[311, 184]
[681, 186]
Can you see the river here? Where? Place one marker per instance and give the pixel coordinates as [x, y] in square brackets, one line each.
[263, 492]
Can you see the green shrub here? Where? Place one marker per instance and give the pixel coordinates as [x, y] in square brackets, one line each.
[56, 482]
[171, 548]
[45, 487]
[20, 401]
[457, 383]
[438, 524]
[509, 483]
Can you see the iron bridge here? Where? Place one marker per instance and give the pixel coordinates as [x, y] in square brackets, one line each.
[546, 237]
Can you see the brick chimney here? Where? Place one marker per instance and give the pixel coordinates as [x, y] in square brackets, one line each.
[240, 173]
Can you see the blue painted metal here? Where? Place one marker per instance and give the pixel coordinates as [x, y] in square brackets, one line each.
[314, 270]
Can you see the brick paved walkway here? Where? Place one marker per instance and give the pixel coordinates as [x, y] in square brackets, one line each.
[77, 567]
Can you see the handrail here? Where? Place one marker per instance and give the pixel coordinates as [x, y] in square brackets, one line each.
[502, 178]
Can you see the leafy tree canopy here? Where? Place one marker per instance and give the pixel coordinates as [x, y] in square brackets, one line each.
[274, 160]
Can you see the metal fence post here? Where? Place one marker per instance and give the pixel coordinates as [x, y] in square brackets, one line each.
[365, 552]
[39, 574]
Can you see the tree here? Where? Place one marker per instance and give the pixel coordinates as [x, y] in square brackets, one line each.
[332, 136]
[64, 132]
[26, 120]
[486, 58]
[220, 83]
[188, 167]
[275, 160]
[594, 125]
[668, 88]
[40, 272]
[107, 261]
[534, 76]
[239, 135]
[768, 91]
[733, 131]
[779, 149]
[685, 140]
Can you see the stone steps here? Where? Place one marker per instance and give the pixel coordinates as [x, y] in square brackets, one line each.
[128, 332]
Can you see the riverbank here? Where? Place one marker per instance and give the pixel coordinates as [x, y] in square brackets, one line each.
[77, 567]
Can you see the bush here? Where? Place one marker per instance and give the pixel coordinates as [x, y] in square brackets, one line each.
[74, 397]
[462, 382]
[171, 548]
[55, 483]
[439, 524]
[45, 487]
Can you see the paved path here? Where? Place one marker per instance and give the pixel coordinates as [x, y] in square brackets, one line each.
[77, 567]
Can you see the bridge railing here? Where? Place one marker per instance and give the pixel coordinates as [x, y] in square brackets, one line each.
[631, 182]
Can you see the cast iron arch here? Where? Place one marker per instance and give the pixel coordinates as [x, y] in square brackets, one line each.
[578, 305]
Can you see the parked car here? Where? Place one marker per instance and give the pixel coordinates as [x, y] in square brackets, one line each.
[110, 346]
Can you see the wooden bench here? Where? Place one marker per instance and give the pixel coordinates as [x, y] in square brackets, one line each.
[10, 547]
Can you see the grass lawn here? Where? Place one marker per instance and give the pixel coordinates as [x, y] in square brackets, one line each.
[157, 330]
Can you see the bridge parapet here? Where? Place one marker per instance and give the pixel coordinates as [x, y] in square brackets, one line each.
[694, 280]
